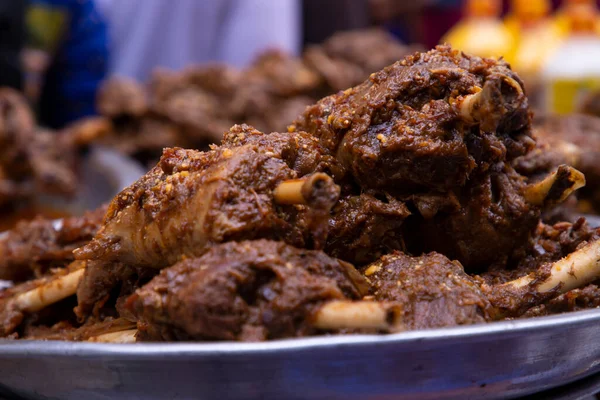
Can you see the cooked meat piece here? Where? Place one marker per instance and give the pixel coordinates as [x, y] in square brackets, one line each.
[121, 96]
[549, 243]
[38, 300]
[434, 291]
[196, 101]
[362, 228]
[33, 247]
[574, 300]
[493, 221]
[89, 130]
[571, 139]
[192, 200]
[64, 330]
[31, 162]
[200, 103]
[408, 128]
[348, 58]
[192, 109]
[281, 74]
[439, 131]
[252, 290]
[52, 160]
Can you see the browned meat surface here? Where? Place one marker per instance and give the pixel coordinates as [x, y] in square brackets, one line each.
[198, 104]
[438, 132]
[65, 330]
[549, 243]
[347, 58]
[31, 162]
[236, 242]
[434, 291]
[493, 221]
[33, 247]
[120, 97]
[403, 127]
[572, 139]
[192, 200]
[253, 290]
[577, 299]
[363, 227]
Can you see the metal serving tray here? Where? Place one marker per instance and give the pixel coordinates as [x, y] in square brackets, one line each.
[489, 361]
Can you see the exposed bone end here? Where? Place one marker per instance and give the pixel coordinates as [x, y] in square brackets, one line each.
[317, 191]
[556, 187]
[56, 289]
[500, 96]
[128, 336]
[338, 315]
[574, 271]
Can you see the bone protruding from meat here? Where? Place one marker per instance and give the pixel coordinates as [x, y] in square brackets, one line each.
[499, 96]
[58, 288]
[337, 315]
[317, 191]
[556, 187]
[127, 336]
[575, 270]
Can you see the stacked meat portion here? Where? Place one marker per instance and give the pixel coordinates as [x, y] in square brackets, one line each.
[32, 161]
[391, 205]
[194, 107]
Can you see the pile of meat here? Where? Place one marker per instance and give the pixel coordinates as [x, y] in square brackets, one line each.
[389, 206]
[194, 107]
[32, 161]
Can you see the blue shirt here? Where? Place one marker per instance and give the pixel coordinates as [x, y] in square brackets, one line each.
[75, 35]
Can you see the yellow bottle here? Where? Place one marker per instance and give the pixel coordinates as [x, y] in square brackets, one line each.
[482, 32]
[561, 19]
[574, 69]
[536, 36]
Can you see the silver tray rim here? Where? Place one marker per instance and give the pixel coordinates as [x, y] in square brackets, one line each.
[9, 347]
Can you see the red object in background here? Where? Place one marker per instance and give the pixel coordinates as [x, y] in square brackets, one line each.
[436, 21]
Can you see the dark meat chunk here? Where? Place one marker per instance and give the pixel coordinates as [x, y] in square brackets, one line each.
[348, 58]
[121, 96]
[363, 228]
[31, 162]
[192, 200]
[575, 300]
[435, 291]
[405, 128]
[439, 132]
[549, 243]
[493, 221]
[33, 247]
[571, 139]
[242, 291]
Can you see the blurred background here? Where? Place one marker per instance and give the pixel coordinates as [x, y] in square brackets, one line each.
[136, 76]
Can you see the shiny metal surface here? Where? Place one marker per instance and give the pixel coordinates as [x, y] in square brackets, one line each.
[491, 361]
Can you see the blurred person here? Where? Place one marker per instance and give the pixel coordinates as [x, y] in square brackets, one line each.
[323, 18]
[66, 59]
[146, 34]
[417, 21]
[12, 40]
